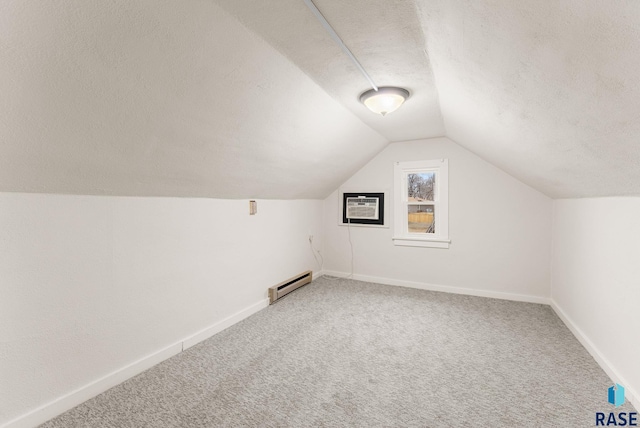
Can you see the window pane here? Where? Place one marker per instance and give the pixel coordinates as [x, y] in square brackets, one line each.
[421, 219]
[420, 186]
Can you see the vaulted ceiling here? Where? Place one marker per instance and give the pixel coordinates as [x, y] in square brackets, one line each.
[239, 98]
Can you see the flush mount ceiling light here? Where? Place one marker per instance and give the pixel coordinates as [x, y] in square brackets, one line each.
[378, 100]
[384, 100]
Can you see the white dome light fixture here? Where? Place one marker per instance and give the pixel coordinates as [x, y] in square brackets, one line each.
[384, 100]
[379, 100]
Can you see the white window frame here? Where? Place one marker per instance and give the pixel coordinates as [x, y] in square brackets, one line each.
[401, 235]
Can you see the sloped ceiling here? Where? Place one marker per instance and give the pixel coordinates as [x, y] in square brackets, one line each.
[547, 91]
[246, 99]
[163, 98]
[387, 38]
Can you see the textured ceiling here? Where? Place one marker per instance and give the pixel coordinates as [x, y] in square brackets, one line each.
[386, 37]
[239, 99]
[163, 98]
[547, 91]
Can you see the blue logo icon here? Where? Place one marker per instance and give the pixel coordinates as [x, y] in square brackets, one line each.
[616, 395]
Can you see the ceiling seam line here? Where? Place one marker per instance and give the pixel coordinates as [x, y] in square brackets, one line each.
[339, 41]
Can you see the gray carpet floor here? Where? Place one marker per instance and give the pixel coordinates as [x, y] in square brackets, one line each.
[346, 353]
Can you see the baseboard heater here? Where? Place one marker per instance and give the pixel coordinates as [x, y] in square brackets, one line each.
[287, 286]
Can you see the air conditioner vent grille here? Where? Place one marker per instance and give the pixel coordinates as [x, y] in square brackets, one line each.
[361, 212]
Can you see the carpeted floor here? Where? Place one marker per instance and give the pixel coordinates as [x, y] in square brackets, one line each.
[347, 353]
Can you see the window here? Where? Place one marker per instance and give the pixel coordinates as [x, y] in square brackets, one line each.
[421, 204]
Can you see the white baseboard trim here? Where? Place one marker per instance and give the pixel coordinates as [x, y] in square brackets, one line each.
[84, 393]
[630, 393]
[224, 324]
[444, 288]
[318, 274]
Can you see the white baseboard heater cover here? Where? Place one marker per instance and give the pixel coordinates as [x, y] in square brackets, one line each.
[287, 286]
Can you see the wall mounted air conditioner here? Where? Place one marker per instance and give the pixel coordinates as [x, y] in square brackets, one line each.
[363, 207]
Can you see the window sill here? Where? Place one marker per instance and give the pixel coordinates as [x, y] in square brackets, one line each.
[410, 241]
[383, 226]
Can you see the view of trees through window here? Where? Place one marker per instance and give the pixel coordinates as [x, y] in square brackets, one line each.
[421, 185]
[420, 191]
